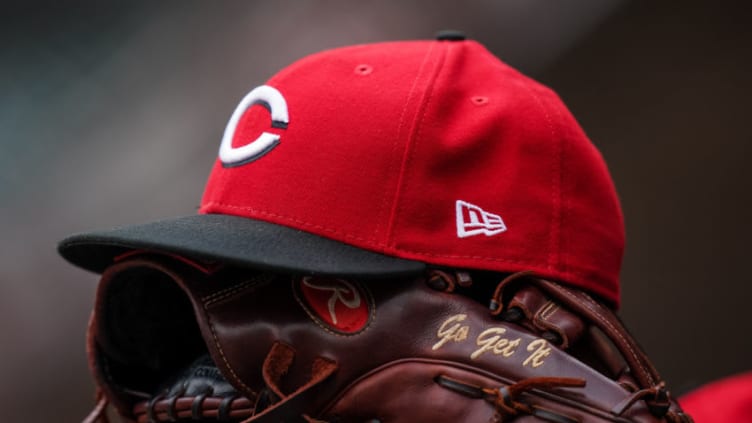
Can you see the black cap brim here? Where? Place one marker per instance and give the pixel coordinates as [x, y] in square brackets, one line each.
[238, 241]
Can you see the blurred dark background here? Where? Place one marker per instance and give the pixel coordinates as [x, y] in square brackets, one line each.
[111, 113]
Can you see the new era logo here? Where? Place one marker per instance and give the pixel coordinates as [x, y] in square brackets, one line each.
[473, 220]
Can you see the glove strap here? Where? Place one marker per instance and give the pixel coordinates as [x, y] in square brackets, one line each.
[276, 365]
[99, 413]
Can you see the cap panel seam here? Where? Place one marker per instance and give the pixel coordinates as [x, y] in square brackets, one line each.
[413, 136]
[556, 174]
[564, 200]
[395, 144]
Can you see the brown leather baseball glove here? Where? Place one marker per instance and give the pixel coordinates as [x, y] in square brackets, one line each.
[175, 340]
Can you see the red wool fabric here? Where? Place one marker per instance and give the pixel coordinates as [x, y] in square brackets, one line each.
[384, 139]
[724, 401]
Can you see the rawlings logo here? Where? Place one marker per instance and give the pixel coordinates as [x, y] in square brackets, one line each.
[345, 307]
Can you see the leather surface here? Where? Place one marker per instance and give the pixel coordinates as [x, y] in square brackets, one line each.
[427, 402]
[412, 328]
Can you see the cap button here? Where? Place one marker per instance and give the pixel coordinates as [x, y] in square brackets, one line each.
[450, 35]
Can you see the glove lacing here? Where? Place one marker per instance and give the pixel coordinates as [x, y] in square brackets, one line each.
[506, 399]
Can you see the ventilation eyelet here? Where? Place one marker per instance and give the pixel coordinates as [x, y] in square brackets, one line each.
[363, 69]
[479, 100]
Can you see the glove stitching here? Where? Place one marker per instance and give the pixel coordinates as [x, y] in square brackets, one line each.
[223, 293]
[543, 319]
[229, 292]
[589, 300]
[539, 319]
[549, 310]
[222, 353]
[590, 303]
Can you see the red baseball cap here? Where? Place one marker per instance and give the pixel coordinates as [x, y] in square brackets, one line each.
[381, 159]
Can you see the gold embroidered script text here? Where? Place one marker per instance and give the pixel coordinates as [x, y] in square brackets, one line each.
[491, 340]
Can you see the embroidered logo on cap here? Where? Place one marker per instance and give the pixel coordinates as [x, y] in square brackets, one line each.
[345, 307]
[272, 100]
[473, 220]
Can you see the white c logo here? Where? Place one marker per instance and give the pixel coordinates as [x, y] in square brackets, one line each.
[272, 100]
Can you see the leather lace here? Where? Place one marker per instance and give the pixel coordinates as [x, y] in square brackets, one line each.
[507, 400]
